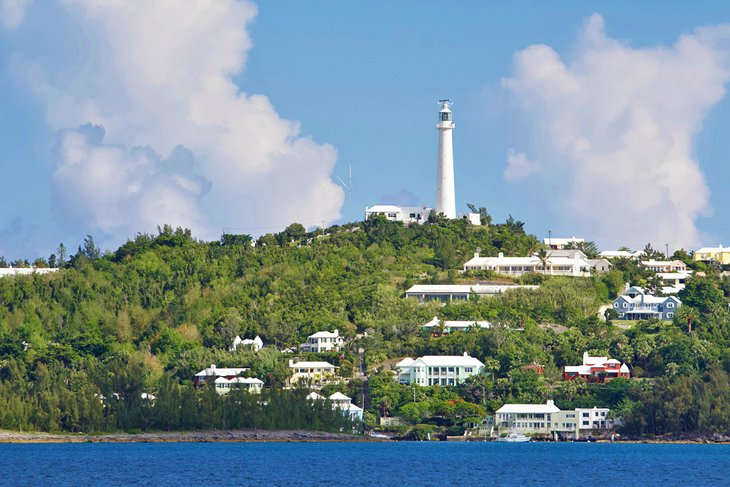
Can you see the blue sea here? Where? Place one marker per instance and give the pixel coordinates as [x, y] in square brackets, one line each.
[354, 464]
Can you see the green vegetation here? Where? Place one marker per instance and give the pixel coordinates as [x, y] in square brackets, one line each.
[78, 348]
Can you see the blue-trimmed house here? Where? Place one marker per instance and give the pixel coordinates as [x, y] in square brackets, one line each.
[637, 304]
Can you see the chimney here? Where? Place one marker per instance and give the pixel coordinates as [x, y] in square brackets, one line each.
[550, 402]
[212, 366]
[476, 255]
[335, 332]
[465, 355]
[500, 255]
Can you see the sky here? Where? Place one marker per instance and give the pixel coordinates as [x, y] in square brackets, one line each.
[600, 120]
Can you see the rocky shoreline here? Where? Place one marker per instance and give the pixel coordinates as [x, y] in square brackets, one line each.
[185, 436]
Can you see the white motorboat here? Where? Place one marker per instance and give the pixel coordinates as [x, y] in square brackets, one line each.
[514, 438]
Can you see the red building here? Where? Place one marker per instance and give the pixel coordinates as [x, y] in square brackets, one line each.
[596, 369]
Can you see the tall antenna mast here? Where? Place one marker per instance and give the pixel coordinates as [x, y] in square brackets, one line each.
[348, 187]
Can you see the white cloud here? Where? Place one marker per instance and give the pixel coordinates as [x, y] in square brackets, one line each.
[12, 12]
[617, 125]
[519, 166]
[159, 75]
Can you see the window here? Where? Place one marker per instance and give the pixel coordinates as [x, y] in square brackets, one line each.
[670, 305]
[624, 305]
[670, 315]
[586, 423]
[585, 415]
[468, 370]
[615, 305]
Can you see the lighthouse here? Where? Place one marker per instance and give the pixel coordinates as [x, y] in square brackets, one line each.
[445, 193]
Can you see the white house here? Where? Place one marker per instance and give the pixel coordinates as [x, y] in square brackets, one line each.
[443, 370]
[557, 263]
[449, 326]
[673, 281]
[344, 404]
[405, 214]
[323, 341]
[25, 271]
[216, 372]
[527, 418]
[250, 384]
[316, 373]
[256, 344]
[457, 292]
[558, 243]
[341, 402]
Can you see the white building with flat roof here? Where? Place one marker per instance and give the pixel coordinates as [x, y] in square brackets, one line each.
[448, 326]
[249, 384]
[527, 418]
[572, 263]
[405, 214]
[458, 292]
[438, 370]
[559, 243]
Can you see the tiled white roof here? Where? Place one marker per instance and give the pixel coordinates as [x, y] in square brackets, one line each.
[325, 334]
[312, 365]
[214, 371]
[448, 361]
[464, 288]
[528, 408]
[457, 324]
[406, 362]
[338, 396]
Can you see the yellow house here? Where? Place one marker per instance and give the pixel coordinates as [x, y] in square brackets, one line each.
[717, 254]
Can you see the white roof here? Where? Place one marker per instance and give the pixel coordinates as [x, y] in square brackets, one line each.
[406, 362]
[325, 334]
[338, 396]
[214, 371]
[549, 407]
[615, 254]
[383, 208]
[448, 361]
[245, 380]
[13, 271]
[464, 288]
[658, 263]
[313, 396]
[624, 368]
[712, 250]
[312, 365]
[457, 324]
[674, 275]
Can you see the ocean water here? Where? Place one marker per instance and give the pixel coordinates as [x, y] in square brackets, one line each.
[354, 464]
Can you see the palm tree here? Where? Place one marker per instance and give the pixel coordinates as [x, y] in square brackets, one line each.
[543, 256]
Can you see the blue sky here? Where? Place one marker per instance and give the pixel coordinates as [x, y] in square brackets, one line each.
[116, 119]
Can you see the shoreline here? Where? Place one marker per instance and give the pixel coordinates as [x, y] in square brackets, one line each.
[220, 436]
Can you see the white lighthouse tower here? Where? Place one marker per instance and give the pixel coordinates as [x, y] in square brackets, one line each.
[445, 193]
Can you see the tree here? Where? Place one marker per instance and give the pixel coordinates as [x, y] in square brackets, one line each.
[543, 256]
[702, 293]
[89, 249]
[61, 252]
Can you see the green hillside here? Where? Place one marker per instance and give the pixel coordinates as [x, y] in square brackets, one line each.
[80, 346]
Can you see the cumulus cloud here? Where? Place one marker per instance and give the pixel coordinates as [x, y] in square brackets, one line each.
[616, 127]
[12, 12]
[182, 143]
[519, 166]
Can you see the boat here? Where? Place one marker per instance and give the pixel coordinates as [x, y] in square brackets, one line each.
[514, 437]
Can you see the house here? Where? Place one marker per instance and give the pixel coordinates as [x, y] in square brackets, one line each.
[558, 263]
[341, 402]
[637, 304]
[596, 369]
[217, 372]
[548, 419]
[557, 243]
[405, 214]
[249, 384]
[673, 281]
[344, 404]
[323, 341]
[665, 265]
[316, 373]
[527, 418]
[448, 326]
[256, 344]
[433, 370]
[718, 254]
[25, 271]
[457, 292]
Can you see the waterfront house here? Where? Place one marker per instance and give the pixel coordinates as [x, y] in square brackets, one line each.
[344, 404]
[432, 370]
[596, 369]
[323, 341]
[527, 418]
[636, 304]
